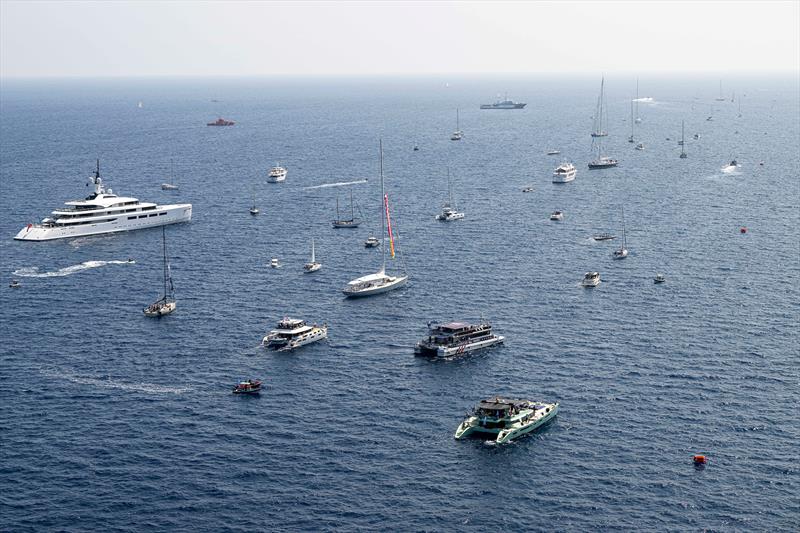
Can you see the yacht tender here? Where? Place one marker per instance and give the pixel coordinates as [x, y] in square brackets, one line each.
[103, 212]
[505, 419]
[292, 333]
[456, 338]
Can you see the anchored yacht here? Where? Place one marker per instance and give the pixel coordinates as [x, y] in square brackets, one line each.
[292, 333]
[449, 211]
[505, 419]
[456, 338]
[591, 279]
[564, 172]
[103, 212]
[276, 174]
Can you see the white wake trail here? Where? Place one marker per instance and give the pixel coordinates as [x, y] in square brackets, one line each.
[33, 272]
[337, 184]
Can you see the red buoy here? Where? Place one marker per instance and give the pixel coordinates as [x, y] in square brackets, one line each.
[742, 230]
[699, 459]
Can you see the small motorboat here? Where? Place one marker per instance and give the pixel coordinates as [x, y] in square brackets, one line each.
[416, 148]
[553, 152]
[604, 237]
[168, 187]
[254, 210]
[372, 242]
[527, 189]
[275, 263]
[640, 146]
[730, 167]
[659, 278]
[251, 386]
[591, 279]
[15, 284]
[557, 215]
[696, 136]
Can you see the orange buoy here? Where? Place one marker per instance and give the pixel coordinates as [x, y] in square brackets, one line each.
[699, 459]
[742, 230]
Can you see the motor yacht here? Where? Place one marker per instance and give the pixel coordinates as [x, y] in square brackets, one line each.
[730, 167]
[456, 338]
[564, 173]
[293, 333]
[103, 212]
[640, 146]
[591, 279]
[505, 419]
[449, 211]
[659, 278]
[557, 215]
[274, 263]
[276, 174]
[251, 386]
[372, 242]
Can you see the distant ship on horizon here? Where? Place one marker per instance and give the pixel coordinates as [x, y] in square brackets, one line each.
[504, 104]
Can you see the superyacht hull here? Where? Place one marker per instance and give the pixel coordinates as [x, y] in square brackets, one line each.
[163, 215]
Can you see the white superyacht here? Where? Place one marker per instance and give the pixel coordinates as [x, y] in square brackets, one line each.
[103, 212]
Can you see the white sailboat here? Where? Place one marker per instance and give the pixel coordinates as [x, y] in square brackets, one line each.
[631, 139]
[313, 265]
[599, 110]
[171, 185]
[254, 210]
[380, 281]
[721, 97]
[458, 134]
[166, 304]
[683, 142]
[449, 211]
[622, 253]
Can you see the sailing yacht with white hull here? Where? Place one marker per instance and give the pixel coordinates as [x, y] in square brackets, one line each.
[449, 211]
[683, 143]
[166, 304]
[313, 265]
[622, 253]
[602, 161]
[458, 134]
[599, 110]
[380, 281]
[103, 212]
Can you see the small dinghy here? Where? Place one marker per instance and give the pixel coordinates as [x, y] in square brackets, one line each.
[15, 284]
[251, 386]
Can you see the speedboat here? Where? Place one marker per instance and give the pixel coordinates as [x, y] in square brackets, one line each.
[564, 173]
[15, 284]
[293, 333]
[103, 212]
[221, 122]
[553, 152]
[527, 189]
[591, 279]
[416, 148]
[372, 242]
[730, 167]
[659, 278]
[449, 213]
[456, 338]
[276, 174]
[604, 237]
[557, 215]
[505, 419]
[251, 386]
[274, 263]
[640, 146]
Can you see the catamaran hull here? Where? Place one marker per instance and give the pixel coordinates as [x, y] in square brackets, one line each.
[396, 284]
[315, 336]
[501, 436]
[167, 214]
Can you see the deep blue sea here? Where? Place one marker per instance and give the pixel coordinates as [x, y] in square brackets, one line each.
[112, 421]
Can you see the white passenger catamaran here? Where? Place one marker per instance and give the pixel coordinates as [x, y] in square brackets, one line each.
[103, 212]
[380, 281]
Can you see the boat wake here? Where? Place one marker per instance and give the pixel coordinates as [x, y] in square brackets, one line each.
[644, 99]
[33, 272]
[109, 383]
[337, 184]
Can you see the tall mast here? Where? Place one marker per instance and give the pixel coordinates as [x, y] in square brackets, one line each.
[164, 241]
[624, 242]
[352, 213]
[632, 120]
[458, 127]
[383, 209]
[637, 97]
[313, 257]
[449, 189]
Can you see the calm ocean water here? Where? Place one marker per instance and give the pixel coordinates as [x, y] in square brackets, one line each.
[117, 422]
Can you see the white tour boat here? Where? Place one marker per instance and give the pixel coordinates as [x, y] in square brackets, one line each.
[103, 212]
[456, 338]
[276, 174]
[380, 281]
[505, 419]
[292, 333]
[564, 173]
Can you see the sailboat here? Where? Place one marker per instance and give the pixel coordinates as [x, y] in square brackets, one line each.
[631, 139]
[254, 209]
[380, 281]
[458, 134]
[740, 108]
[683, 149]
[721, 97]
[166, 304]
[622, 253]
[312, 266]
[638, 119]
[449, 211]
[598, 114]
[171, 185]
[351, 222]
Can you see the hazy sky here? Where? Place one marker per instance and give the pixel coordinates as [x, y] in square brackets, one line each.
[114, 38]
